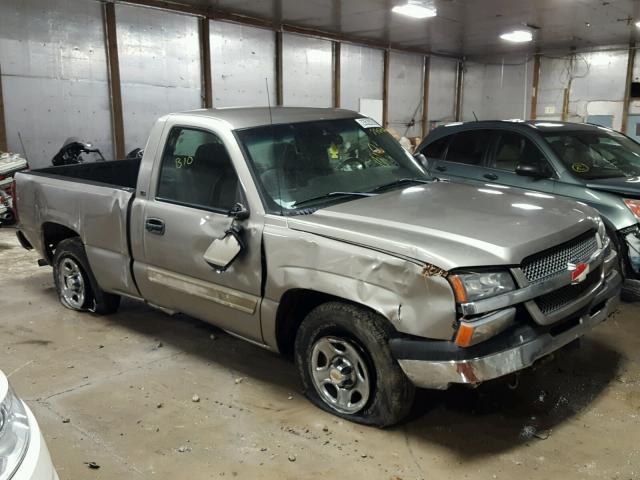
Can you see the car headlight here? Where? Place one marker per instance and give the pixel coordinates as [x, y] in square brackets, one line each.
[469, 287]
[633, 205]
[14, 432]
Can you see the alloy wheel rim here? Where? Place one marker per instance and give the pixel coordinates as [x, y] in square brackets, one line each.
[340, 375]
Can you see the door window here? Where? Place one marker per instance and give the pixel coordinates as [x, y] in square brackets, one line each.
[468, 147]
[513, 149]
[437, 149]
[197, 171]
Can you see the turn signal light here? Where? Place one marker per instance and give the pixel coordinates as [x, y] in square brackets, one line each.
[465, 335]
[458, 289]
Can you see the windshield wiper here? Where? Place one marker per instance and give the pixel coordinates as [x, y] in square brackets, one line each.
[400, 181]
[334, 194]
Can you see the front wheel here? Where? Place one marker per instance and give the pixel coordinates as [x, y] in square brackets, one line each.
[76, 286]
[343, 358]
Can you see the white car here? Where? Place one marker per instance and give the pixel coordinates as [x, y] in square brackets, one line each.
[23, 453]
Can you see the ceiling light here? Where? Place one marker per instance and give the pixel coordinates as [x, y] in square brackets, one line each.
[517, 36]
[638, 24]
[415, 10]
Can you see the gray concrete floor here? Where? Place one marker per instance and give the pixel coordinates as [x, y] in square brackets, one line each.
[126, 382]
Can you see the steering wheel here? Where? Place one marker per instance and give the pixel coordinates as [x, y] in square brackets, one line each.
[352, 161]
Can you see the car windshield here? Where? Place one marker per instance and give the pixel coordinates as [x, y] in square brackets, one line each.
[598, 154]
[308, 164]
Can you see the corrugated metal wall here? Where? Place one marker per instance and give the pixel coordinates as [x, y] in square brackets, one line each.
[54, 75]
[442, 89]
[361, 75]
[242, 58]
[497, 91]
[159, 67]
[406, 82]
[307, 66]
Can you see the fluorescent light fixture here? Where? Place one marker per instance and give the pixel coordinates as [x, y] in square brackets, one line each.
[517, 36]
[414, 10]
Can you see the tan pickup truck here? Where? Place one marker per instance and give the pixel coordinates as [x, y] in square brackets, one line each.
[312, 232]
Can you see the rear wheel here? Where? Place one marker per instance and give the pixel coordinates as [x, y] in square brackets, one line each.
[343, 358]
[76, 286]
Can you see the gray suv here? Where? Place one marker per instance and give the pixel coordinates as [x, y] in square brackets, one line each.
[589, 163]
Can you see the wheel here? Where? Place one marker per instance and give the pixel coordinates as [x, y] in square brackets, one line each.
[76, 286]
[343, 358]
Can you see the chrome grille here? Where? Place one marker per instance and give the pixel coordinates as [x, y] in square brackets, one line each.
[556, 260]
[554, 301]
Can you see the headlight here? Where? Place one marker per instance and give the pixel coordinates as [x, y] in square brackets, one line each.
[14, 432]
[633, 205]
[469, 287]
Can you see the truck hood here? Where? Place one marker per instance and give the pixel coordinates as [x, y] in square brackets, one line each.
[629, 186]
[453, 225]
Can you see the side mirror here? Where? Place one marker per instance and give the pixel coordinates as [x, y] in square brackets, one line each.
[223, 251]
[531, 170]
[239, 212]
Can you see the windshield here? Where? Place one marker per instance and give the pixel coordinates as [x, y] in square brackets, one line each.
[595, 155]
[301, 165]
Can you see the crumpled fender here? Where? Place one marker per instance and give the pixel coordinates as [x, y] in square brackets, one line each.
[416, 298]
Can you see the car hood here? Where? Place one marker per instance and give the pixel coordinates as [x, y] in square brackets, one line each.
[453, 225]
[629, 186]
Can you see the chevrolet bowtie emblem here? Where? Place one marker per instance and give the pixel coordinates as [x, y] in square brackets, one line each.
[579, 272]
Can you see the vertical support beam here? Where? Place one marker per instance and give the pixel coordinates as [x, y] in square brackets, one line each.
[3, 127]
[205, 63]
[117, 119]
[459, 85]
[385, 90]
[627, 86]
[534, 86]
[565, 103]
[279, 70]
[336, 74]
[425, 96]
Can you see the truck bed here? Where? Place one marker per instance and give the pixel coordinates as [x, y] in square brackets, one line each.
[117, 173]
[91, 200]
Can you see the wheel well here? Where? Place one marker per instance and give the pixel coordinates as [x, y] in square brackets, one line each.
[294, 306]
[53, 234]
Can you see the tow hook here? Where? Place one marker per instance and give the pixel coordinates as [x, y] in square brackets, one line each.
[515, 381]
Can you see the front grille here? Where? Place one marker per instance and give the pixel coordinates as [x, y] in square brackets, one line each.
[556, 260]
[554, 301]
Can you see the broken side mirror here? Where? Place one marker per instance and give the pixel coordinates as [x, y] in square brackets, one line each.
[239, 212]
[224, 250]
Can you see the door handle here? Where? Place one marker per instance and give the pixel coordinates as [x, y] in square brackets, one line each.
[490, 176]
[154, 225]
[440, 168]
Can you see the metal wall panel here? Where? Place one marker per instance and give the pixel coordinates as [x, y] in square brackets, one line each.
[159, 67]
[54, 76]
[241, 59]
[307, 71]
[551, 85]
[361, 75]
[442, 89]
[496, 91]
[406, 83]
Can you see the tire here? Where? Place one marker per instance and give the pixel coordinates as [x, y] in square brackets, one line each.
[349, 347]
[76, 286]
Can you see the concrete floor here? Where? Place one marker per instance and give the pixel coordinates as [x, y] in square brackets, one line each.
[126, 383]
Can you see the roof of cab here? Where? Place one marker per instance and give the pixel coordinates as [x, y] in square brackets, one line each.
[245, 117]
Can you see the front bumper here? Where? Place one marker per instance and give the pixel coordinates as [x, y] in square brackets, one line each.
[36, 464]
[438, 364]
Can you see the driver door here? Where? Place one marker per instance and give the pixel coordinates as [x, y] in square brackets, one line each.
[196, 185]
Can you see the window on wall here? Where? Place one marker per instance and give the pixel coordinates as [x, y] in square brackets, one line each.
[513, 149]
[197, 171]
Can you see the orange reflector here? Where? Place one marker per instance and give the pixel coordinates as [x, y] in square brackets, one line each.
[458, 289]
[465, 335]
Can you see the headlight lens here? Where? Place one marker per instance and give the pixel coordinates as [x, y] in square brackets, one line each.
[633, 205]
[14, 434]
[469, 287]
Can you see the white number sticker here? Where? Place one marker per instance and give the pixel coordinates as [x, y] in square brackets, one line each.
[367, 122]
